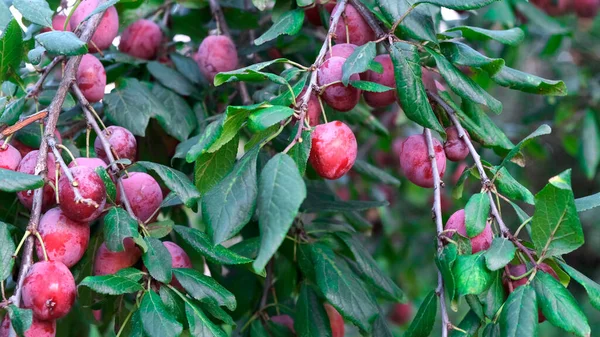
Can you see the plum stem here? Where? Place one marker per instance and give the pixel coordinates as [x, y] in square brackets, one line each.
[41, 168]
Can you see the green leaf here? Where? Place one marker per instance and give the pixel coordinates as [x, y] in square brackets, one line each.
[228, 206]
[559, 306]
[493, 299]
[281, 191]
[301, 151]
[519, 315]
[586, 203]
[445, 261]
[311, 318]
[477, 211]
[177, 119]
[540, 131]
[375, 173]
[262, 119]
[210, 168]
[35, 11]
[589, 147]
[5, 16]
[156, 319]
[201, 244]
[289, 23]
[171, 78]
[62, 43]
[358, 61]
[118, 225]
[13, 181]
[461, 54]
[131, 105]
[11, 46]
[176, 181]
[158, 260]
[341, 288]
[235, 117]
[518, 80]
[491, 330]
[7, 249]
[511, 37]
[111, 285]
[592, 288]
[218, 313]
[200, 324]
[539, 18]
[418, 24]
[370, 271]
[111, 188]
[174, 303]
[248, 73]
[410, 88]
[204, 288]
[361, 116]
[101, 8]
[472, 275]
[260, 4]
[510, 187]
[462, 85]
[555, 227]
[131, 273]
[21, 319]
[370, 86]
[458, 4]
[204, 141]
[500, 253]
[470, 324]
[12, 111]
[187, 67]
[312, 206]
[422, 324]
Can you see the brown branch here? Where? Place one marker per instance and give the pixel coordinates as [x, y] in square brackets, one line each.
[37, 87]
[437, 216]
[40, 167]
[21, 124]
[217, 13]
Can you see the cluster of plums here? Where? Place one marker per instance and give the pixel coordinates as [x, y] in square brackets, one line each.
[582, 8]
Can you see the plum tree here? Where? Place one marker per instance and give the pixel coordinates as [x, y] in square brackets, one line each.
[38, 328]
[92, 191]
[49, 290]
[141, 39]
[456, 148]
[10, 157]
[586, 8]
[107, 262]
[27, 165]
[144, 195]
[336, 95]
[65, 240]
[91, 78]
[480, 242]
[107, 29]
[343, 50]
[415, 163]
[401, 313]
[335, 320]
[122, 143]
[381, 99]
[217, 53]
[359, 31]
[334, 149]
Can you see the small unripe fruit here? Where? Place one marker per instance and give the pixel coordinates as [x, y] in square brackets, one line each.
[107, 262]
[107, 29]
[65, 240]
[144, 194]
[27, 165]
[342, 50]
[456, 148]
[141, 39]
[314, 108]
[415, 162]
[285, 320]
[122, 142]
[38, 328]
[480, 242]
[179, 259]
[359, 31]
[335, 320]
[49, 290]
[91, 78]
[401, 313]
[381, 99]
[216, 54]
[10, 157]
[92, 163]
[333, 150]
[586, 8]
[340, 97]
[90, 186]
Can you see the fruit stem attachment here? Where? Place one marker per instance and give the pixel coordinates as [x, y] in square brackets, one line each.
[41, 241]
[25, 236]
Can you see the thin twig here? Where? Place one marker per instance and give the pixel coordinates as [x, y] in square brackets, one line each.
[47, 70]
[341, 6]
[21, 124]
[437, 216]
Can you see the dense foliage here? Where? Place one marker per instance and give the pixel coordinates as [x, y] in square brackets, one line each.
[299, 168]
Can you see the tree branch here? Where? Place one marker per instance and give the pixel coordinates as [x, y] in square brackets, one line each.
[23, 123]
[37, 87]
[40, 167]
[437, 216]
